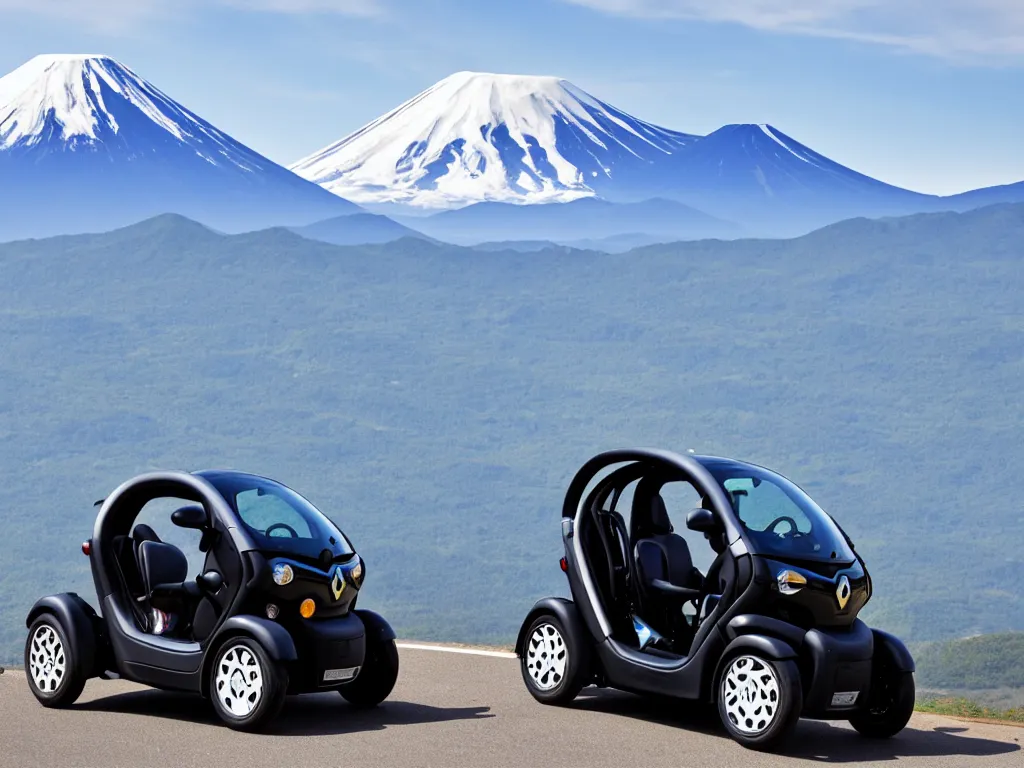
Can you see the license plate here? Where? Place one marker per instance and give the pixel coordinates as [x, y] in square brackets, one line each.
[845, 699]
[334, 675]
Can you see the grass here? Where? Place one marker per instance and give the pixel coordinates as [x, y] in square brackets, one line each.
[971, 710]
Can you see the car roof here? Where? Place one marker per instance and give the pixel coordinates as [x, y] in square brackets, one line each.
[720, 462]
[227, 474]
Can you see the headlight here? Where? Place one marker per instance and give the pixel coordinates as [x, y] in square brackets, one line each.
[791, 582]
[357, 570]
[283, 574]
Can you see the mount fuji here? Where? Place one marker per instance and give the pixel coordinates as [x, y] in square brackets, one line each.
[477, 137]
[87, 145]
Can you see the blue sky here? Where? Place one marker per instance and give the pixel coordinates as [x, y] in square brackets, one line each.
[921, 93]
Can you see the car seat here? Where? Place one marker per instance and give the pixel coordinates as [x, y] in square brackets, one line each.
[666, 575]
[164, 570]
[126, 562]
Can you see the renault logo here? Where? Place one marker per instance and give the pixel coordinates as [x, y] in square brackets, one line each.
[338, 584]
[843, 592]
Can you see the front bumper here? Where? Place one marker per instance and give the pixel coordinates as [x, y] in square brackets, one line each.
[330, 653]
[836, 668]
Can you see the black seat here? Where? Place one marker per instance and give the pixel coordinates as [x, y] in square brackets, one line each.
[164, 568]
[667, 577]
[141, 533]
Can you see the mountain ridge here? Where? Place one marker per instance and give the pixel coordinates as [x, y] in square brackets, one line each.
[384, 380]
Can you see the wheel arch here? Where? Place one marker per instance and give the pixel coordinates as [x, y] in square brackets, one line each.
[563, 609]
[771, 648]
[275, 639]
[375, 625]
[79, 621]
[895, 649]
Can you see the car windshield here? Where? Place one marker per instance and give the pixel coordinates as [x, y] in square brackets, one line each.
[780, 520]
[279, 519]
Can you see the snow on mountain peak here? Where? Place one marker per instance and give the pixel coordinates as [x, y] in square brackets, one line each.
[74, 101]
[481, 136]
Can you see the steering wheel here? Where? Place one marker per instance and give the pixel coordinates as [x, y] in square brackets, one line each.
[275, 526]
[784, 519]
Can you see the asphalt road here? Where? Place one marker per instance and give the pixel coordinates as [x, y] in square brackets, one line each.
[448, 710]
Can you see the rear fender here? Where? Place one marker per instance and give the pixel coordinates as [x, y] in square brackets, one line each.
[80, 623]
[566, 611]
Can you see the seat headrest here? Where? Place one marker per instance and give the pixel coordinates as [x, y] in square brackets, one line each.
[143, 533]
[660, 522]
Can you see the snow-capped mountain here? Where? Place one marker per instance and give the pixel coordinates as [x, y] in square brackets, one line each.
[507, 138]
[482, 137]
[87, 145]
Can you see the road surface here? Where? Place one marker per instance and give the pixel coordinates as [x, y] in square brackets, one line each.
[448, 710]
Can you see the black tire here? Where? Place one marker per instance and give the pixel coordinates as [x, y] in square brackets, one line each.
[889, 707]
[759, 700]
[554, 665]
[54, 673]
[376, 678]
[239, 663]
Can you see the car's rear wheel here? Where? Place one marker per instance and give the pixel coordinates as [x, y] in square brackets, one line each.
[555, 668]
[759, 700]
[376, 678]
[889, 707]
[52, 669]
[247, 687]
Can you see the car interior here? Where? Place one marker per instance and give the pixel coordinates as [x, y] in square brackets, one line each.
[646, 569]
[154, 577]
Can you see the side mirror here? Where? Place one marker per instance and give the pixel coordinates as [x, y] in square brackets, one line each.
[192, 516]
[702, 520]
[211, 581]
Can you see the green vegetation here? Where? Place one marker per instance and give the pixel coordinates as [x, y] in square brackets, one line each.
[989, 661]
[435, 401]
[960, 707]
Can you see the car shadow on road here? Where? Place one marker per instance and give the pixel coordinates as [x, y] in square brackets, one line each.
[813, 740]
[312, 715]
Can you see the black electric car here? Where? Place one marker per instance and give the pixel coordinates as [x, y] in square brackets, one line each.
[767, 633]
[273, 611]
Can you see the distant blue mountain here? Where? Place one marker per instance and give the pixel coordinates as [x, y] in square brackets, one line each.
[979, 198]
[583, 219]
[357, 229]
[87, 145]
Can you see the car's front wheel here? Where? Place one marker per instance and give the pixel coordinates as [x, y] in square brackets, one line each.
[51, 665]
[247, 687]
[376, 678]
[759, 700]
[889, 708]
[555, 668]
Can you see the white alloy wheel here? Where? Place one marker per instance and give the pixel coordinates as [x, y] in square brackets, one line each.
[239, 681]
[47, 660]
[546, 657]
[750, 691]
